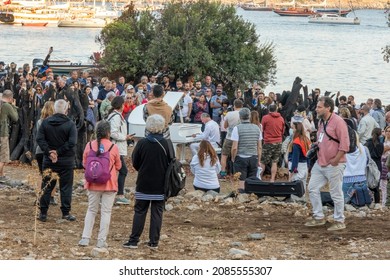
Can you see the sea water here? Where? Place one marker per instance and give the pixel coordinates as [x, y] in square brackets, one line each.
[345, 58]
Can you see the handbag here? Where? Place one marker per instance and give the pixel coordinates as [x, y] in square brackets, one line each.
[372, 172]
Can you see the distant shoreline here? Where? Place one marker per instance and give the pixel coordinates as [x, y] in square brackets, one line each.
[345, 4]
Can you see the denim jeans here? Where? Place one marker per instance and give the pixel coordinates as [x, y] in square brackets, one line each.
[348, 189]
[319, 177]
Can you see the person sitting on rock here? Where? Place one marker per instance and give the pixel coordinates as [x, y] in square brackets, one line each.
[205, 166]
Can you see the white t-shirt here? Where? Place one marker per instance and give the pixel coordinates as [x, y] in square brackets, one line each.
[186, 100]
[233, 119]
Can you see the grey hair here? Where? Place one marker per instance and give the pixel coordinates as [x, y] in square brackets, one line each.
[205, 115]
[244, 114]
[110, 94]
[155, 123]
[8, 94]
[60, 106]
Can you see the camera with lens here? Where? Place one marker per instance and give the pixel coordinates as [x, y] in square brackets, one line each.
[312, 153]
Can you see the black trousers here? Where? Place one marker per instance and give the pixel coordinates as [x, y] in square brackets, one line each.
[122, 176]
[140, 210]
[65, 176]
[81, 142]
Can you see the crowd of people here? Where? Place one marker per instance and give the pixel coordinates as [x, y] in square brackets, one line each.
[65, 119]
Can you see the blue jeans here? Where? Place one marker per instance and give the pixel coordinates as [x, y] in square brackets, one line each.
[348, 189]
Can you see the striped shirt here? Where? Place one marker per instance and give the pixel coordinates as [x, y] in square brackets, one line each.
[144, 196]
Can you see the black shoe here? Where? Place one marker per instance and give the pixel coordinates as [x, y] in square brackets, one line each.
[53, 201]
[152, 246]
[69, 217]
[42, 217]
[130, 245]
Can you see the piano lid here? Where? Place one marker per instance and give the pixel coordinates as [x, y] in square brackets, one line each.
[136, 117]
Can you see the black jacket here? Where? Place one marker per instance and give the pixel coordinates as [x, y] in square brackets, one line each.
[58, 133]
[151, 162]
[376, 151]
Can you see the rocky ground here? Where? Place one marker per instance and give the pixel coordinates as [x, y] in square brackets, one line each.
[195, 226]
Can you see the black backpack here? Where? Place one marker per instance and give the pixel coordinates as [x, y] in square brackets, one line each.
[351, 136]
[175, 176]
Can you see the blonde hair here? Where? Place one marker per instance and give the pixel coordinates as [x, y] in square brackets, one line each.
[47, 110]
[345, 113]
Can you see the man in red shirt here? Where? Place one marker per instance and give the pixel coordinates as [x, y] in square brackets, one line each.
[330, 165]
[273, 129]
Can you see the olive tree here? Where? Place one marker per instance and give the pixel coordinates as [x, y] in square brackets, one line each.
[190, 39]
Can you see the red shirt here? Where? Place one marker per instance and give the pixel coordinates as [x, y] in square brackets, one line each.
[273, 128]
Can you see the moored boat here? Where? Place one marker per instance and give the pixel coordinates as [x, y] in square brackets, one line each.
[333, 19]
[340, 12]
[63, 66]
[295, 12]
[83, 23]
[252, 6]
[6, 17]
[36, 24]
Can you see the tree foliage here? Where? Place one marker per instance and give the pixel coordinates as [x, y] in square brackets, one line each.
[188, 40]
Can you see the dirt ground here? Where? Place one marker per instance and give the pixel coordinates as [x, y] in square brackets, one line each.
[191, 230]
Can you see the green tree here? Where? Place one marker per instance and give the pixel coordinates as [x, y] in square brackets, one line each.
[189, 40]
[125, 43]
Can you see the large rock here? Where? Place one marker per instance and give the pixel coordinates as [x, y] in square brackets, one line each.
[192, 207]
[256, 236]
[99, 252]
[243, 198]
[194, 195]
[235, 251]
[350, 208]
[207, 198]
[168, 207]
[212, 193]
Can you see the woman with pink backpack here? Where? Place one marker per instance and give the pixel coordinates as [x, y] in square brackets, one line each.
[101, 161]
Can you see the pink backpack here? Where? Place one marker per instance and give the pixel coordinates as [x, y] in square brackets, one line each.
[97, 168]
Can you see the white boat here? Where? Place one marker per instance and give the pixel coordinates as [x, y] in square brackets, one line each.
[83, 23]
[102, 12]
[333, 19]
[50, 16]
[252, 6]
[63, 66]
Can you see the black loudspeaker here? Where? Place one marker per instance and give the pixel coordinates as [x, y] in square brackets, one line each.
[262, 188]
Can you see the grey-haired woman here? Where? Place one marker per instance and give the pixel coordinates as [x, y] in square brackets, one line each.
[150, 159]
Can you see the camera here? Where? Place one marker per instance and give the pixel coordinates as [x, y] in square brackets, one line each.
[312, 153]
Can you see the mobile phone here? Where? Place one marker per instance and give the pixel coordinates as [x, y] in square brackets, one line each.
[132, 134]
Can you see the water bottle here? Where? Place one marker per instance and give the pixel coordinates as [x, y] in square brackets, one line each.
[101, 148]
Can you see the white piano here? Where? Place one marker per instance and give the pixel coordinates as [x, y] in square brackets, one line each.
[181, 133]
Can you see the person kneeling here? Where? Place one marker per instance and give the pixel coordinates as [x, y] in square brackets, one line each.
[205, 166]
